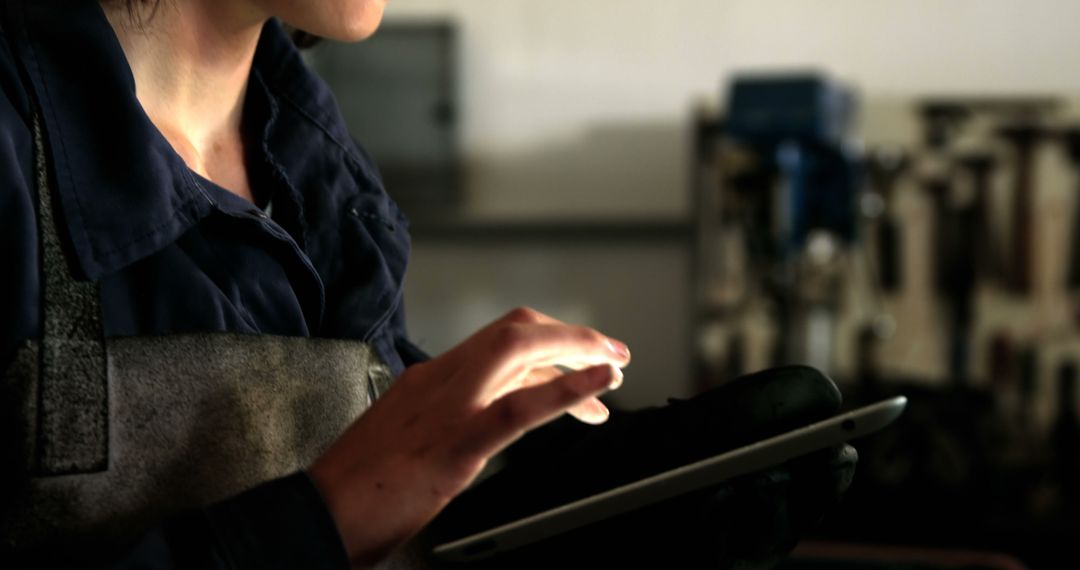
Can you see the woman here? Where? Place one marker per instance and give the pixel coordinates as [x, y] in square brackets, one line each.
[204, 294]
[173, 128]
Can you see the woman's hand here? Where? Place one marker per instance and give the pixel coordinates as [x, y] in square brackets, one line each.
[434, 430]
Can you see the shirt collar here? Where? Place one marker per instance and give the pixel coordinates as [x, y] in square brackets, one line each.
[123, 190]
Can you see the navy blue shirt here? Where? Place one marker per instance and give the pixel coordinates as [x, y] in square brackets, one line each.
[175, 253]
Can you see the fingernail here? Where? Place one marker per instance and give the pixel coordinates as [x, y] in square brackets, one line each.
[604, 413]
[620, 349]
[598, 377]
[616, 380]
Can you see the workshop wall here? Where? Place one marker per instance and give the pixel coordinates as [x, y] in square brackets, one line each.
[580, 110]
[602, 88]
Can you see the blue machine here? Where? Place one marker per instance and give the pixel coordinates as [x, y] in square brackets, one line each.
[801, 124]
[798, 126]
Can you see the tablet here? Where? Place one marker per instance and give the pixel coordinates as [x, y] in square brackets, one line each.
[692, 477]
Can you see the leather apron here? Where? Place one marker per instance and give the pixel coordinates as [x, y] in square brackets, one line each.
[103, 438]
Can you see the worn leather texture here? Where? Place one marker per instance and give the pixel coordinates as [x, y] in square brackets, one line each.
[73, 408]
[192, 419]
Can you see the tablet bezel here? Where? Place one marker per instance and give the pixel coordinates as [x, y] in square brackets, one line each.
[688, 478]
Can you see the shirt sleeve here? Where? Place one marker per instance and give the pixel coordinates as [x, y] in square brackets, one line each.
[280, 524]
[408, 351]
[411, 353]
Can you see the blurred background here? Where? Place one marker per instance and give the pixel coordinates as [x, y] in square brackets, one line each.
[884, 190]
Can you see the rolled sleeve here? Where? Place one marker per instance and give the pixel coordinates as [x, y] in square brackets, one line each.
[283, 524]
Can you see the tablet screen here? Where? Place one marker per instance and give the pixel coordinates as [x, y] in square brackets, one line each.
[488, 531]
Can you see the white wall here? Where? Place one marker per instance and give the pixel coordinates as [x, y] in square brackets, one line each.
[632, 292]
[578, 108]
[536, 70]
[541, 77]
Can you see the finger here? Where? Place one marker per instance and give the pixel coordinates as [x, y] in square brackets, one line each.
[591, 411]
[545, 373]
[515, 351]
[537, 376]
[509, 417]
[529, 315]
[465, 351]
[531, 378]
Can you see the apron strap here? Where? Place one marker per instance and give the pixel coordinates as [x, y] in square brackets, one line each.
[73, 405]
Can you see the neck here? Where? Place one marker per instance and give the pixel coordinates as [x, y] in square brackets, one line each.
[191, 61]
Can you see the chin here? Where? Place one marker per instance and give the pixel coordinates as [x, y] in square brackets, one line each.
[357, 31]
[341, 20]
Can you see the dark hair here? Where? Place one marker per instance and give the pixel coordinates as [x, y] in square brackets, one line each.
[132, 6]
[300, 38]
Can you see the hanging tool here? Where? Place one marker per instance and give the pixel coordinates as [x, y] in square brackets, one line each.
[989, 264]
[1024, 139]
[954, 271]
[884, 167]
